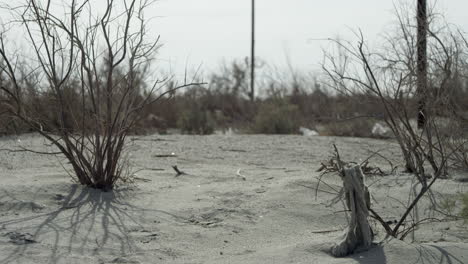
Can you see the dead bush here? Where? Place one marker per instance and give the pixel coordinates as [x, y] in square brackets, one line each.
[277, 117]
[196, 121]
[359, 127]
[390, 75]
[93, 74]
[464, 212]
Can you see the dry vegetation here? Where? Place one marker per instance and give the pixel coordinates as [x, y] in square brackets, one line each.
[86, 99]
[85, 83]
[221, 104]
[391, 76]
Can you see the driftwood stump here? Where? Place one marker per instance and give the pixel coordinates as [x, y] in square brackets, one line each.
[358, 236]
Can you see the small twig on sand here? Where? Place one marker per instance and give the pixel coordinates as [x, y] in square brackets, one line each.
[335, 164]
[153, 169]
[232, 150]
[240, 175]
[21, 149]
[273, 168]
[327, 231]
[316, 189]
[172, 155]
[179, 172]
[148, 169]
[141, 179]
[151, 139]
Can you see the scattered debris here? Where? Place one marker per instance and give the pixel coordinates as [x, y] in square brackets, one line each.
[308, 132]
[332, 166]
[461, 178]
[366, 169]
[69, 206]
[36, 207]
[327, 231]
[273, 168]
[152, 139]
[147, 239]
[123, 260]
[20, 239]
[141, 179]
[179, 172]
[240, 175]
[172, 155]
[381, 130]
[226, 132]
[154, 169]
[205, 222]
[59, 197]
[232, 150]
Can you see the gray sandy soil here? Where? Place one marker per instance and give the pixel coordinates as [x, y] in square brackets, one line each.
[210, 214]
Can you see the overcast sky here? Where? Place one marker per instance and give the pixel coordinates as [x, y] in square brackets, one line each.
[209, 31]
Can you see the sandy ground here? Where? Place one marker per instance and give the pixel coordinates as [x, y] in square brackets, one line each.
[209, 215]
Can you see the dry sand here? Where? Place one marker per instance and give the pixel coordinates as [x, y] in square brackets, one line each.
[209, 215]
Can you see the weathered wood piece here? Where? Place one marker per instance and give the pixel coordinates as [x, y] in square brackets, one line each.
[358, 236]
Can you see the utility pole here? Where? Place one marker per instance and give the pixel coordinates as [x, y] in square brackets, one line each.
[422, 62]
[252, 56]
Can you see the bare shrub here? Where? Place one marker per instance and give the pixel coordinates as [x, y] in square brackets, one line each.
[221, 104]
[390, 75]
[359, 127]
[277, 117]
[464, 212]
[225, 103]
[228, 96]
[196, 121]
[92, 68]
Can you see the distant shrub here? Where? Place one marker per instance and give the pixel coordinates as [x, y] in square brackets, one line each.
[351, 128]
[464, 211]
[277, 117]
[196, 121]
[448, 205]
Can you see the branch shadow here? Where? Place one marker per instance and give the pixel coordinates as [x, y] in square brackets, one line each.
[429, 254]
[436, 255]
[375, 254]
[86, 222]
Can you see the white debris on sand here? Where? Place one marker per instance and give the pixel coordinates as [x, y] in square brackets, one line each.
[226, 132]
[308, 132]
[381, 130]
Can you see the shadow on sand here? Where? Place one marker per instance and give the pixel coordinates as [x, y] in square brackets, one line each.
[87, 222]
[434, 254]
[427, 254]
[375, 254]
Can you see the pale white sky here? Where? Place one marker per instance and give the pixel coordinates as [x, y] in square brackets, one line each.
[209, 31]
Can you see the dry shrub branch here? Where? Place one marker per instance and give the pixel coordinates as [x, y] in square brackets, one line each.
[390, 75]
[94, 66]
